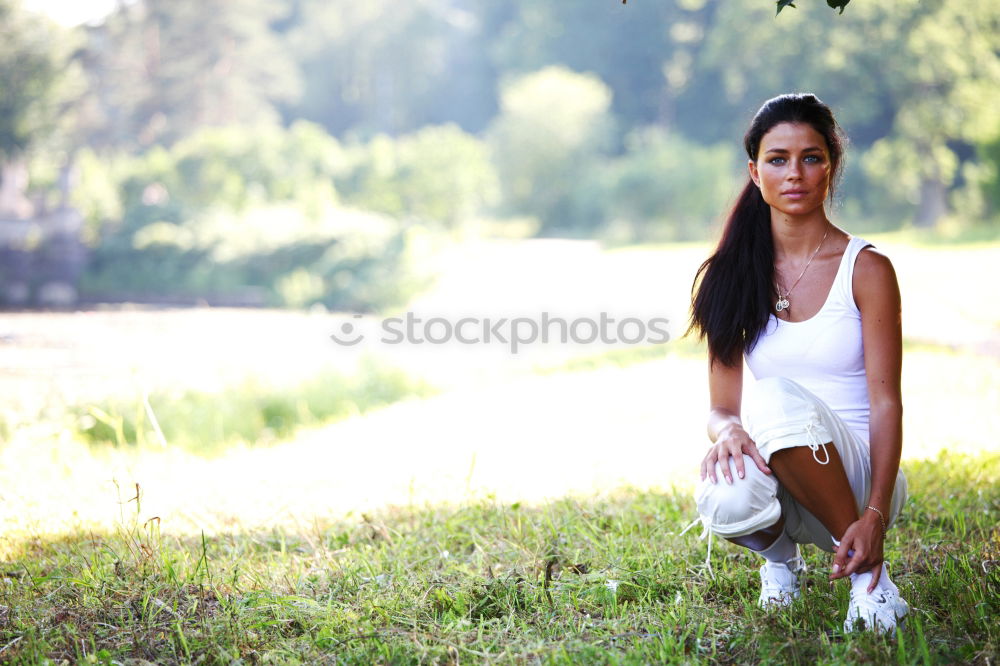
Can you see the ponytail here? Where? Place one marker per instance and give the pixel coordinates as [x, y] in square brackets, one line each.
[733, 289]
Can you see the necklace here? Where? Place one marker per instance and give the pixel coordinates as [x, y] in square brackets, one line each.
[783, 303]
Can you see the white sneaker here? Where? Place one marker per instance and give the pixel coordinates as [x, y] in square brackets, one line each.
[779, 583]
[879, 611]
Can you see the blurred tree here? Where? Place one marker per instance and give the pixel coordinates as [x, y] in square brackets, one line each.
[918, 80]
[439, 174]
[230, 170]
[989, 153]
[393, 66]
[914, 83]
[667, 188]
[33, 93]
[626, 46]
[389, 66]
[554, 126]
[161, 69]
[237, 168]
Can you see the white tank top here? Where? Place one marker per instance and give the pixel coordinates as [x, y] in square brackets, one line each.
[824, 353]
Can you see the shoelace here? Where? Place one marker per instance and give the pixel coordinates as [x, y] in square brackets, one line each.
[796, 565]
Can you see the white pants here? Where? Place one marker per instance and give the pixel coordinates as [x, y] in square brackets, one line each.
[781, 414]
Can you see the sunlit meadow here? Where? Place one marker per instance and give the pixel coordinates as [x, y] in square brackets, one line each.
[213, 484]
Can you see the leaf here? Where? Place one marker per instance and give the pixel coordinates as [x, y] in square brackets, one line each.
[833, 4]
[785, 3]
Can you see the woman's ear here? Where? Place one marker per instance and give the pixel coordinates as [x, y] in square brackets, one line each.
[754, 176]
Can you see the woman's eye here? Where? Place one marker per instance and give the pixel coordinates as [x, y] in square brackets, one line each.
[809, 159]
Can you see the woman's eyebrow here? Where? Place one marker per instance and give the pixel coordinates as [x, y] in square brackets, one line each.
[804, 150]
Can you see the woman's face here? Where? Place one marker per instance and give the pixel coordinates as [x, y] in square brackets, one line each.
[792, 168]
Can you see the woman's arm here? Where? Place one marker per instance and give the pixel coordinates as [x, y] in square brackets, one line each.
[876, 291]
[724, 426]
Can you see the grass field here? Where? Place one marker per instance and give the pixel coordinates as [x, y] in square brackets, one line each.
[454, 505]
[582, 580]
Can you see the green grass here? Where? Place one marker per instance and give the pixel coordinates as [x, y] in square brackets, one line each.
[253, 412]
[596, 580]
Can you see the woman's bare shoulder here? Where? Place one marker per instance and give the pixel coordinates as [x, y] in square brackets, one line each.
[874, 277]
[873, 263]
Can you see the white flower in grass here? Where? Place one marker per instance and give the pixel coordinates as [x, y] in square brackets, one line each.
[612, 585]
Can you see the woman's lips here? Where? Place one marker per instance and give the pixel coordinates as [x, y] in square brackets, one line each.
[794, 194]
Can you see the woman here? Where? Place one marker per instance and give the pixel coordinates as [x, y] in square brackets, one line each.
[815, 312]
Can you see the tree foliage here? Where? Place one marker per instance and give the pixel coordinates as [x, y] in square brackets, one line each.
[446, 110]
[439, 174]
[914, 83]
[162, 69]
[833, 4]
[554, 125]
[29, 71]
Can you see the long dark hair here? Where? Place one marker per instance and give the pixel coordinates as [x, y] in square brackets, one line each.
[734, 288]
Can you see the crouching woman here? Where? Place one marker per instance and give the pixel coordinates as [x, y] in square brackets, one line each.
[810, 455]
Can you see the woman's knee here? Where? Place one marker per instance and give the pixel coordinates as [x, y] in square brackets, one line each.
[743, 507]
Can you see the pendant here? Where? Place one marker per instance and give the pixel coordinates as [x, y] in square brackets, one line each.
[782, 304]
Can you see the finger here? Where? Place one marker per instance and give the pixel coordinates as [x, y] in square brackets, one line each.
[876, 574]
[856, 562]
[840, 560]
[759, 459]
[726, 470]
[704, 473]
[740, 469]
[710, 463]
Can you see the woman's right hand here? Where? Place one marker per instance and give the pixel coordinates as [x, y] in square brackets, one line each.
[732, 442]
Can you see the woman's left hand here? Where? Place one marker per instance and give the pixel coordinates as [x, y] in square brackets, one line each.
[864, 536]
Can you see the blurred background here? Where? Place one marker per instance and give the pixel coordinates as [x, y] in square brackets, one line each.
[194, 195]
